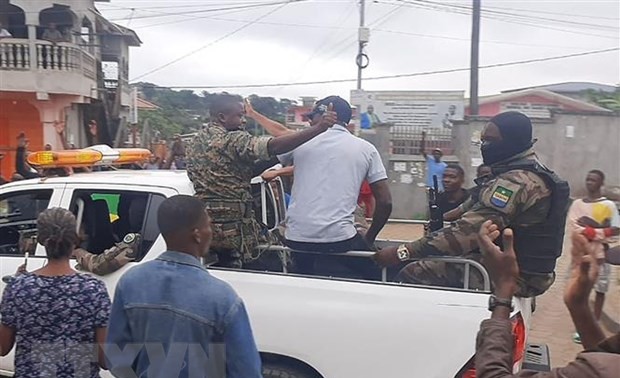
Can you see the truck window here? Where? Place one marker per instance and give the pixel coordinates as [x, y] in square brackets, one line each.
[18, 219]
[105, 218]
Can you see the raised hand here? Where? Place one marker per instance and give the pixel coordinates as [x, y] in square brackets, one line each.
[249, 109]
[60, 127]
[328, 118]
[584, 271]
[502, 265]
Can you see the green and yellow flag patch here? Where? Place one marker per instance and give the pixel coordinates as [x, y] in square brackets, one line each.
[501, 196]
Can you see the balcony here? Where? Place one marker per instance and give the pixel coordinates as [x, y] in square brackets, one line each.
[41, 66]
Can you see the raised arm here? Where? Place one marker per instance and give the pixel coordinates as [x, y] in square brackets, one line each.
[495, 340]
[285, 143]
[423, 145]
[274, 128]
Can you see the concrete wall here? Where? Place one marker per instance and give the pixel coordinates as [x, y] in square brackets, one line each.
[577, 143]
[406, 175]
[569, 144]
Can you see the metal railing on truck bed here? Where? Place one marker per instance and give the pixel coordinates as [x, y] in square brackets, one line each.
[468, 263]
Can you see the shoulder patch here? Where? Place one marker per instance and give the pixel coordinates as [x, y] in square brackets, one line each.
[501, 196]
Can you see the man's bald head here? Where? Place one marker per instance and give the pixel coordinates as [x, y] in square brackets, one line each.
[228, 111]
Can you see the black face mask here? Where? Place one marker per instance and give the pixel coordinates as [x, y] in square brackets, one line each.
[516, 131]
[494, 152]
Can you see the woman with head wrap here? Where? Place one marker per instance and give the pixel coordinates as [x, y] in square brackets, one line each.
[55, 315]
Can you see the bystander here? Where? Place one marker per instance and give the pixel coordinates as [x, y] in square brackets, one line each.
[173, 304]
[495, 342]
[454, 194]
[598, 220]
[434, 165]
[54, 314]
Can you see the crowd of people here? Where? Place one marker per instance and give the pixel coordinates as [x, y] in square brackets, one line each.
[513, 221]
[174, 159]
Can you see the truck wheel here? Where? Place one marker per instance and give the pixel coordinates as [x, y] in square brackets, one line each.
[283, 371]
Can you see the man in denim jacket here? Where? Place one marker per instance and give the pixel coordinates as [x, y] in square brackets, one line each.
[171, 318]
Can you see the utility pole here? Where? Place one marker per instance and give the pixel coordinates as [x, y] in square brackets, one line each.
[363, 35]
[475, 49]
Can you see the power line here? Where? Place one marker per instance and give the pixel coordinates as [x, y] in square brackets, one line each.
[341, 20]
[532, 17]
[245, 26]
[349, 38]
[210, 10]
[557, 13]
[466, 11]
[467, 39]
[352, 40]
[384, 77]
[188, 18]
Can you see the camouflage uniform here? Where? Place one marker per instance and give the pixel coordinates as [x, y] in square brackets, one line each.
[516, 197]
[220, 164]
[112, 259]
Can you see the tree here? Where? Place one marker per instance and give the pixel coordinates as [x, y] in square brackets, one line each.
[158, 121]
[607, 100]
[185, 111]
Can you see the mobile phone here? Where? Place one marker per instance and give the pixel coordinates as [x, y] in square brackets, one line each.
[26, 259]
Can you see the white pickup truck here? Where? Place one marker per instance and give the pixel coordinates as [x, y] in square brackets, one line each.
[305, 326]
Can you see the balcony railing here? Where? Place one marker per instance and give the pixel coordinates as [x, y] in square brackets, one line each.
[14, 54]
[20, 55]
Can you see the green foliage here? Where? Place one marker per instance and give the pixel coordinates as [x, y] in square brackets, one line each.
[185, 111]
[606, 100]
[159, 121]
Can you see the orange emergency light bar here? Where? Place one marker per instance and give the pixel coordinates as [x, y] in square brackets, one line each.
[95, 155]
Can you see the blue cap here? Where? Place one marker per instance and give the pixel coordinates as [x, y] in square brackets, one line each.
[341, 107]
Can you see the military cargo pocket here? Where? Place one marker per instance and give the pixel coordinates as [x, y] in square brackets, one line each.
[222, 214]
[226, 236]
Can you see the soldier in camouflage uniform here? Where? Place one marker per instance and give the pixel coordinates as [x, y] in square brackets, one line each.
[221, 161]
[522, 195]
[112, 259]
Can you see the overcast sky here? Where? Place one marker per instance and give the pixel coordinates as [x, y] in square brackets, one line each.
[315, 40]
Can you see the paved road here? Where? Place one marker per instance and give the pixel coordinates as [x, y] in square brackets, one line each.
[551, 324]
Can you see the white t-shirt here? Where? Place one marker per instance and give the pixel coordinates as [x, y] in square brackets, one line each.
[329, 171]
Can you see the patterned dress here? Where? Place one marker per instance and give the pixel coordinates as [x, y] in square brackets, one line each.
[55, 319]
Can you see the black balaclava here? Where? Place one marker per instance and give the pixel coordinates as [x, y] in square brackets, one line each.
[516, 131]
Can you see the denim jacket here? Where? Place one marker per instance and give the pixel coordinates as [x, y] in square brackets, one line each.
[171, 318]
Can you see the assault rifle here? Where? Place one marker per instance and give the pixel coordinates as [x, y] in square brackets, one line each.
[435, 222]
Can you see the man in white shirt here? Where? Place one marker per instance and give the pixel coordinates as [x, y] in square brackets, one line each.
[329, 171]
